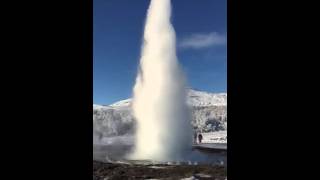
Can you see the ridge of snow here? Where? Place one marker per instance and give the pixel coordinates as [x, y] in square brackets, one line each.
[96, 106]
[195, 98]
[202, 98]
[208, 111]
[126, 102]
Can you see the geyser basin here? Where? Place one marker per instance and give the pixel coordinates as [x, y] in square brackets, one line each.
[164, 171]
[159, 102]
[116, 151]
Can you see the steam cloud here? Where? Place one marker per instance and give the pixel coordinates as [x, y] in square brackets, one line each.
[159, 101]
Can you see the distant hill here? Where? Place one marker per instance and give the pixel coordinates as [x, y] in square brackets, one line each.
[209, 113]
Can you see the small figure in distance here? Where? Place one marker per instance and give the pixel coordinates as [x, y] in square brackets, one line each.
[200, 137]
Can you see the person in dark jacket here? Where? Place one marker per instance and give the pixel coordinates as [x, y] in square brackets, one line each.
[195, 138]
[200, 137]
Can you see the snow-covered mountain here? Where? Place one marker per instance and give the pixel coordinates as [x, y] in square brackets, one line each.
[195, 98]
[202, 98]
[209, 113]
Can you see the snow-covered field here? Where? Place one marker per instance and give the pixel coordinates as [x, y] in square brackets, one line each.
[122, 140]
[212, 137]
[209, 114]
[215, 137]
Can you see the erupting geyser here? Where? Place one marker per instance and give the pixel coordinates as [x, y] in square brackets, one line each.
[159, 101]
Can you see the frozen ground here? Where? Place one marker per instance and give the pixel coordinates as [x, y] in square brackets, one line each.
[218, 137]
[212, 150]
[113, 139]
[202, 162]
[208, 110]
[215, 137]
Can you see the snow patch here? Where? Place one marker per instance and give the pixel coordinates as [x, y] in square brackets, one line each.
[190, 178]
[215, 137]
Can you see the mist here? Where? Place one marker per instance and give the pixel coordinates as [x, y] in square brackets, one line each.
[159, 101]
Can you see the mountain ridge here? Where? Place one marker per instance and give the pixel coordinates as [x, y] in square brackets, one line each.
[194, 98]
[209, 114]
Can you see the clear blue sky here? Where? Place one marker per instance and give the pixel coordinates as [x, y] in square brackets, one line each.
[201, 27]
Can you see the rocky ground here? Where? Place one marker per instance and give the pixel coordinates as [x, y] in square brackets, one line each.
[111, 171]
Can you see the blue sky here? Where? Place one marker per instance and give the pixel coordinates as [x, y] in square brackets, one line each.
[200, 25]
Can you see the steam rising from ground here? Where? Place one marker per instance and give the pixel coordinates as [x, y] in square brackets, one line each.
[159, 104]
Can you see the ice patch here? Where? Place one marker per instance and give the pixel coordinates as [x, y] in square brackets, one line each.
[202, 175]
[157, 167]
[190, 178]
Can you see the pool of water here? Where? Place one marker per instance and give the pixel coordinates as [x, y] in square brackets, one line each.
[118, 153]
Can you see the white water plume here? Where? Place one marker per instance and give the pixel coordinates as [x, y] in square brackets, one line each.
[159, 101]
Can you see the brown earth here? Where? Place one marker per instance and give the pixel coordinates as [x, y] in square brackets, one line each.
[113, 171]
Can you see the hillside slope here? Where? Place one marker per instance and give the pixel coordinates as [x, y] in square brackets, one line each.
[209, 113]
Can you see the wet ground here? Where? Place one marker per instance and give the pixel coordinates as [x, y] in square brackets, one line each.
[204, 153]
[113, 171]
[204, 162]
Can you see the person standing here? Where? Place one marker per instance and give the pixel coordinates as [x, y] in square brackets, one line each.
[200, 137]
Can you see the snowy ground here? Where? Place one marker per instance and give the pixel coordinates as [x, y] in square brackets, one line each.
[109, 160]
[211, 137]
[117, 147]
[123, 140]
[208, 111]
[215, 137]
